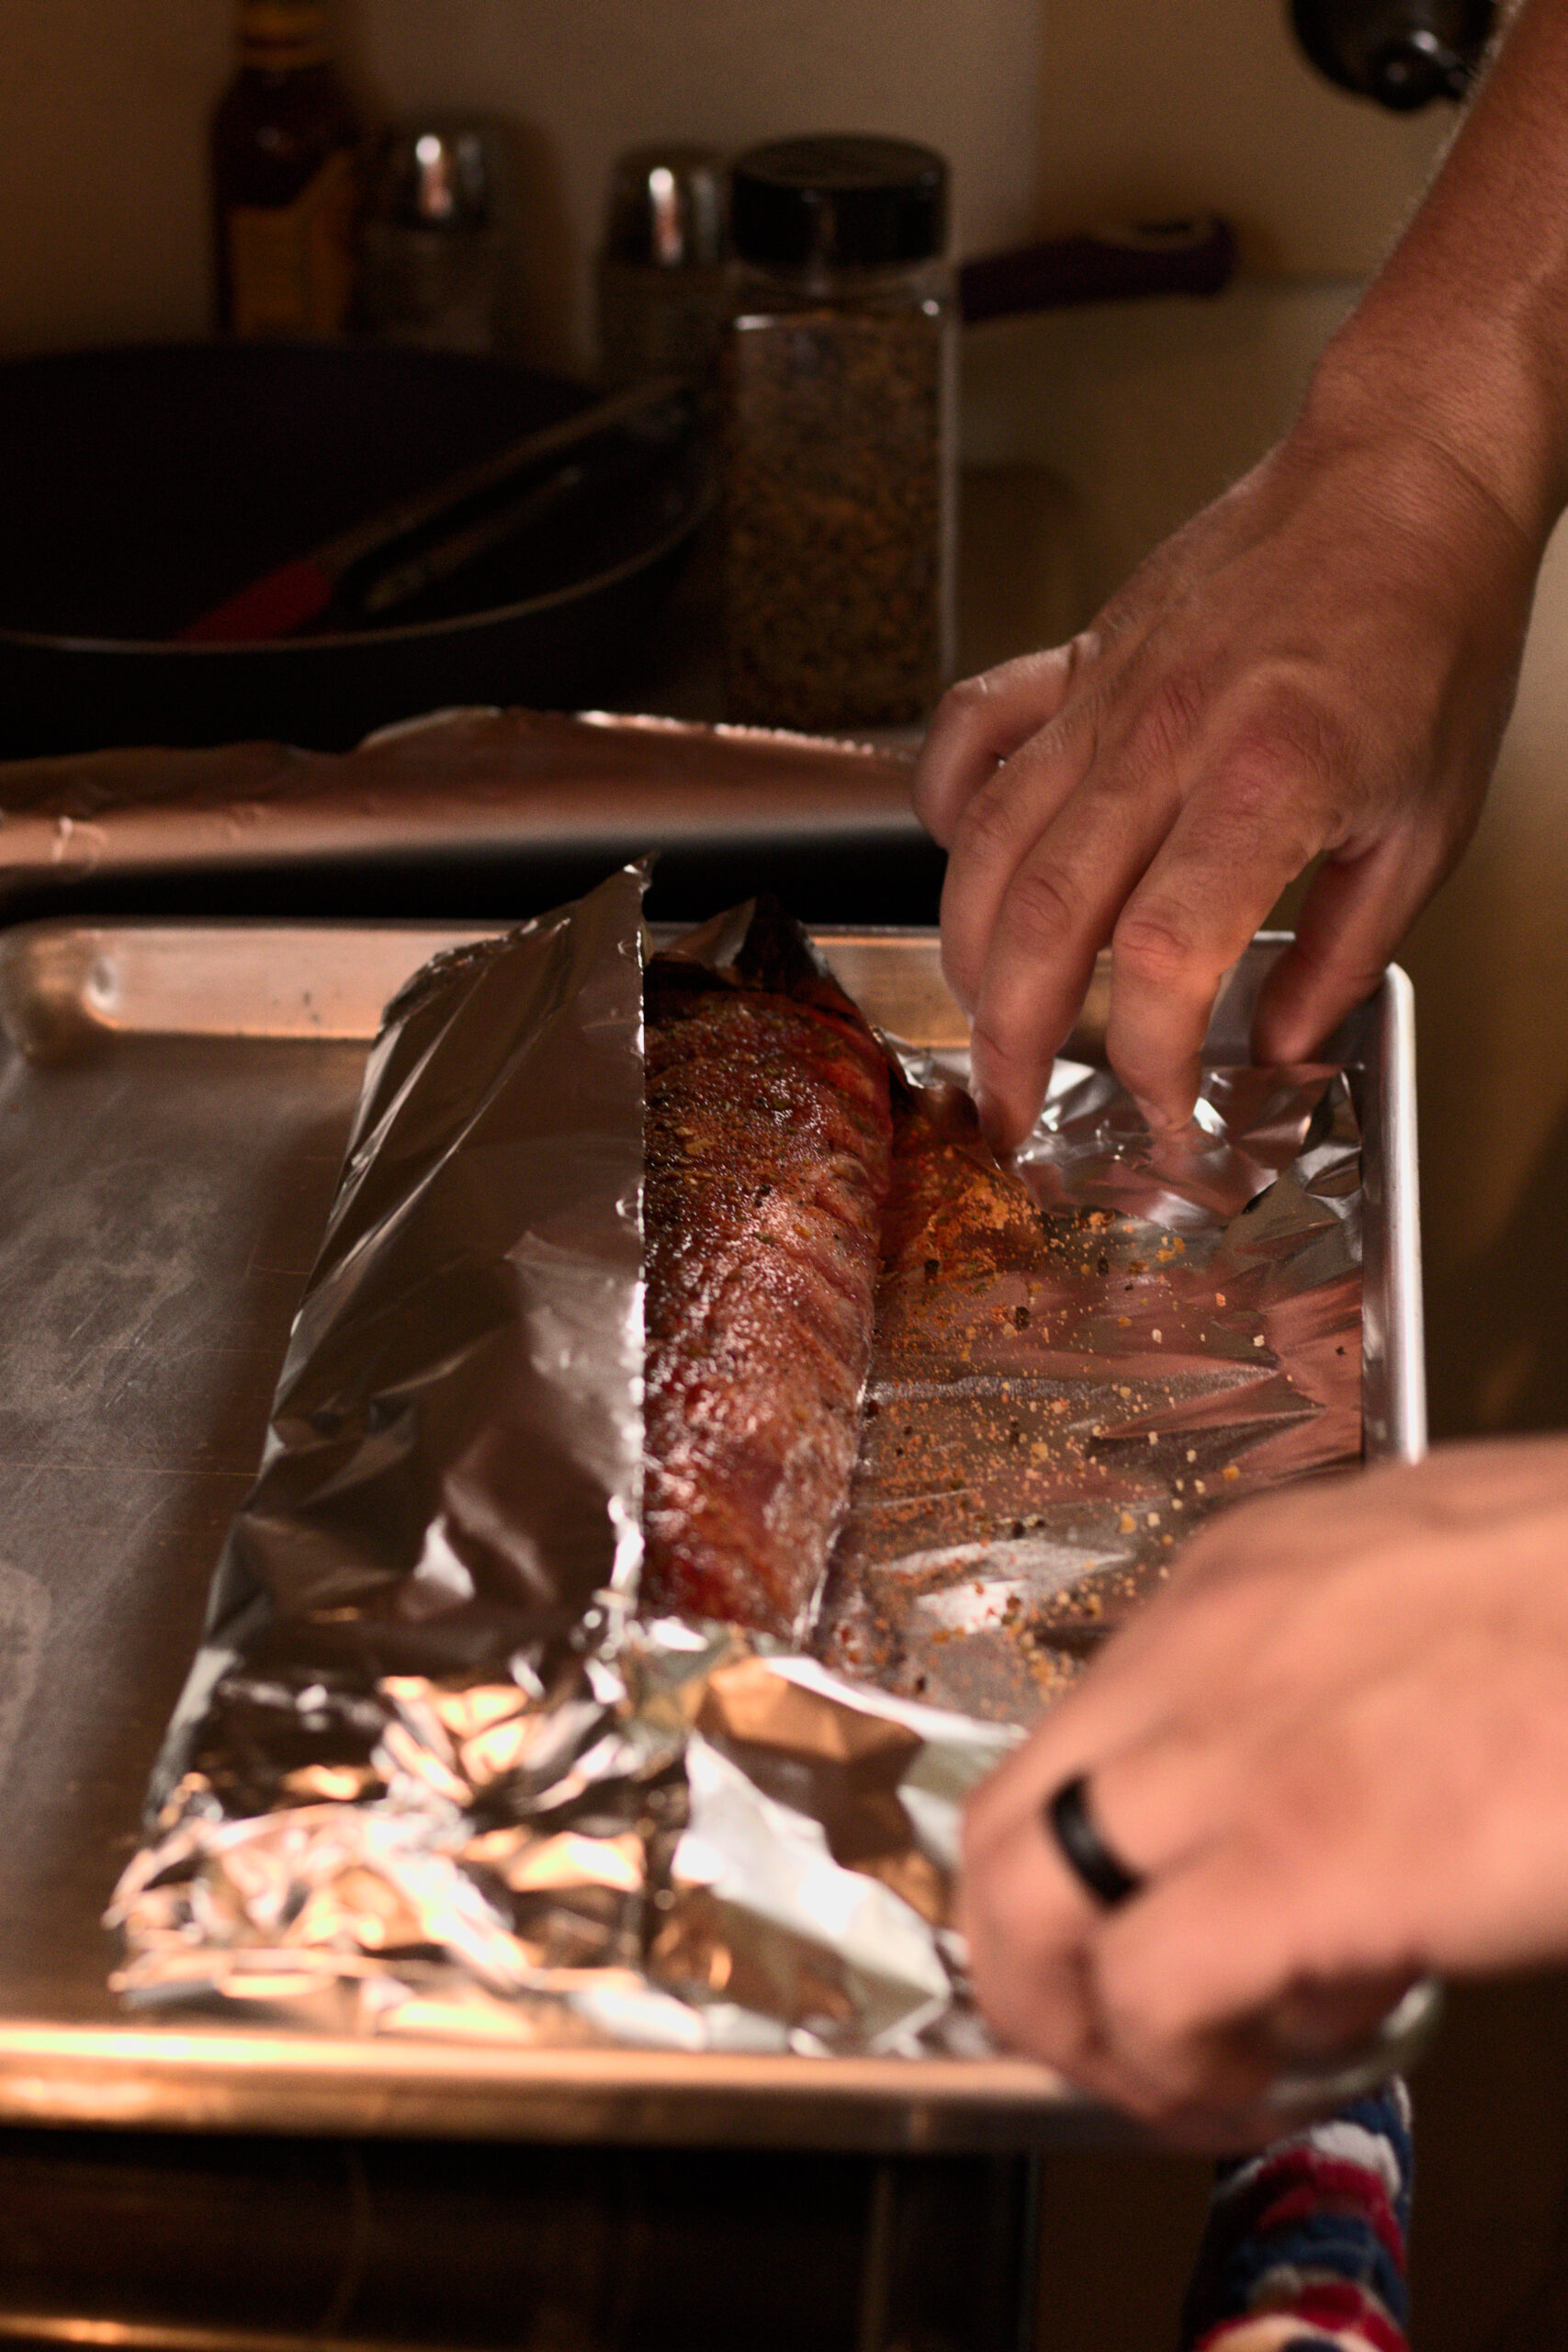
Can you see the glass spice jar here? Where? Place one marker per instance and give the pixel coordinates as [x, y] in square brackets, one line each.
[437, 234]
[837, 436]
[661, 274]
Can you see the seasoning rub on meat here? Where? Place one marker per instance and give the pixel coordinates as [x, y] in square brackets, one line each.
[766, 1153]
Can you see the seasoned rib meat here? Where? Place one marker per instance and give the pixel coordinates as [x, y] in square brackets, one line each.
[952, 1215]
[766, 1155]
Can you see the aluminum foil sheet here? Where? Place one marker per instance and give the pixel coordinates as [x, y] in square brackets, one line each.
[1076, 1361]
[432, 1775]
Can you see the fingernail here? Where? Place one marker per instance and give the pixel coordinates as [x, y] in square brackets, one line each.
[1161, 1126]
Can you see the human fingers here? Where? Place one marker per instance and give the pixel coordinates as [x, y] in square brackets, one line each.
[1291, 1839]
[1350, 922]
[1231, 2080]
[1211, 2056]
[981, 722]
[1037, 1940]
[995, 829]
[1287, 1660]
[1247, 830]
[1222, 1984]
[1229, 1604]
[1028, 1914]
[1042, 863]
[1243, 1956]
[1025, 1921]
[1166, 816]
[1259, 1752]
[1199, 1718]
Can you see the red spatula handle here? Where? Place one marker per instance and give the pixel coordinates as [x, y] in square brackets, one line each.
[275, 606]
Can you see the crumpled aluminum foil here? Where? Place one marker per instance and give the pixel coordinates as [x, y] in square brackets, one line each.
[431, 1775]
[1048, 1419]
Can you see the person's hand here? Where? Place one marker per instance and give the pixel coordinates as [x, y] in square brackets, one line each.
[1336, 1749]
[1322, 663]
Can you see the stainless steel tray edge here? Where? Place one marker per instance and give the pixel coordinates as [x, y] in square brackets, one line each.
[163, 2076]
[1395, 1294]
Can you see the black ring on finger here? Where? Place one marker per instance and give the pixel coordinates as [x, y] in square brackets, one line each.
[1093, 1862]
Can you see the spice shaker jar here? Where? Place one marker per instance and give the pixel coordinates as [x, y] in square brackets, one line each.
[438, 234]
[661, 276]
[837, 432]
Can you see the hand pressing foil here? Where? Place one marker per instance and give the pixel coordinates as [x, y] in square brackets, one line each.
[767, 1146]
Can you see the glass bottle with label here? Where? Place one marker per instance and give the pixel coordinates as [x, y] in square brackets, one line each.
[285, 144]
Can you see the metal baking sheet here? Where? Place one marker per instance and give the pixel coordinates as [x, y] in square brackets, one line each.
[174, 1100]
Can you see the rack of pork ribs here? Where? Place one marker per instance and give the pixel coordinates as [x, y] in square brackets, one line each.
[787, 1165]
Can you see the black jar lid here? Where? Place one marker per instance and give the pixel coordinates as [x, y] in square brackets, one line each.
[840, 200]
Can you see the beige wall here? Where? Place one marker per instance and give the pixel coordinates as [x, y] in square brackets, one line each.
[1151, 105]
[1054, 111]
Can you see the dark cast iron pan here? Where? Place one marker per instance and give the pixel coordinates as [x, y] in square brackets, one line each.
[144, 484]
